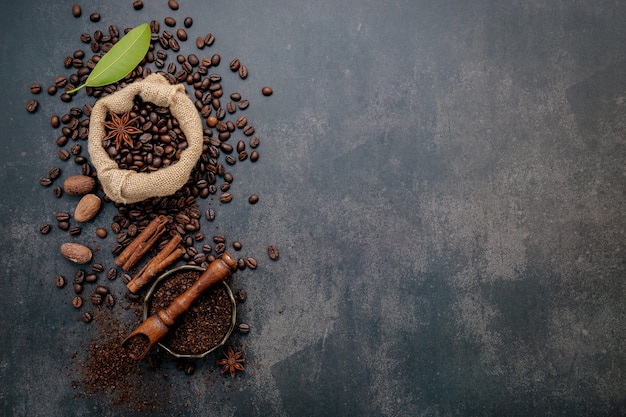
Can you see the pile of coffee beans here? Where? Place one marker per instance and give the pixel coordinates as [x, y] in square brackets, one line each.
[229, 138]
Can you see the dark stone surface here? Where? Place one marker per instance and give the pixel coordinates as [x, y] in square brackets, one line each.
[444, 180]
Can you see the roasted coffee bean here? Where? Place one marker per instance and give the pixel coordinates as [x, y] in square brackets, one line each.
[126, 278]
[66, 98]
[230, 160]
[254, 142]
[248, 130]
[59, 281]
[231, 107]
[35, 88]
[109, 300]
[181, 34]
[200, 42]
[63, 225]
[254, 156]
[95, 17]
[237, 245]
[241, 264]
[87, 317]
[77, 301]
[243, 72]
[115, 227]
[138, 4]
[243, 104]
[267, 91]
[242, 295]
[76, 10]
[64, 154]
[234, 65]
[79, 276]
[31, 106]
[97, 267]
[220, 248]
[44, 229]
[170, 21]
[253, 199]
[75, 230]
[209, 39]
[154, 26]
[102, 290]
[57, 191]
[241, 122]
[112, 274]
[52, 90]
[228, 177]
[243, 328]
[251, 263]
[76, 149]
[272, 252]
[101, 232]
[78, 288]
[96, 299]
[173, 4]
[117, 249]
[210, 214]
[219, 238]
[62, 216]
[91, 278]
[215, 60]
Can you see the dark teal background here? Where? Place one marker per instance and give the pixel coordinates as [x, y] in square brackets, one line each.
[445, 181]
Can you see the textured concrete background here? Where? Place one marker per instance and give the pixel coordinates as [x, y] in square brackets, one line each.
[445, 181]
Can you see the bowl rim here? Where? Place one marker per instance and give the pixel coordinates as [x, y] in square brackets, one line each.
[164, 276]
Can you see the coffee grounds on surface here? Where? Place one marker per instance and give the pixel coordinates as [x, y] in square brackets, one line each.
[206, 322]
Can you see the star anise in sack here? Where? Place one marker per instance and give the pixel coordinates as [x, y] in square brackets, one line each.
[121, 128]
[232, 362]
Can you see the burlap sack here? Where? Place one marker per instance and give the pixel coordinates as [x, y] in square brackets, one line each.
[126, 186]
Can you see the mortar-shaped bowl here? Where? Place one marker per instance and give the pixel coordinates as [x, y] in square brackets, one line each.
[152, 292]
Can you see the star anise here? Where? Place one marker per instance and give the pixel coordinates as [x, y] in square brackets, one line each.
[232, 362]
[121, 128]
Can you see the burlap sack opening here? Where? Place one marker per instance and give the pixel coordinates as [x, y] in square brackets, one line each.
[127, 186]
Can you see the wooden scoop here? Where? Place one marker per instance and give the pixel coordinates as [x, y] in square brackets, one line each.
[155, 327]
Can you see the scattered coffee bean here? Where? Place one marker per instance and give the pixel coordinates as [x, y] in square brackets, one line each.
[243, 104]
[272, 252]
[243, 328]
[112, 273]
[138, 4]
[62, 216]
[181, 34]
[237, 245]
[59, 281]
[57, 191]
[75, 230]
[44, 229]
[102, 290]
[234, 66]
[188, 22]
[35, 88]
[173, 4]
[109, 300]
[96, 299]
[87, 317]
[78, 288]
[95, 17]
[97, 267]
[76, 10]
[77, 301]
[253, 199]
[226, 197]
[101, 232]
[251, 263]
[254, 156]
[242, 295]
[170, 21]
[267, 91]
[31, 106]
[91, 278]
[243, 72]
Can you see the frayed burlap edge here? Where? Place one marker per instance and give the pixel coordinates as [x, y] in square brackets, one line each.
[127, 186]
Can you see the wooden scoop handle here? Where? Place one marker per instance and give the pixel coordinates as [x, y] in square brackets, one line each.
[217, 271]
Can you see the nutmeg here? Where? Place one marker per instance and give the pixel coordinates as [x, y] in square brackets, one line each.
[76, 252]
[79, 185]
[87, 208]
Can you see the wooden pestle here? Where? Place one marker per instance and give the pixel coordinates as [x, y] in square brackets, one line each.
[156, 326]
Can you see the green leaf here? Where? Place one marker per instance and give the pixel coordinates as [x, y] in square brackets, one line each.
[121, 59]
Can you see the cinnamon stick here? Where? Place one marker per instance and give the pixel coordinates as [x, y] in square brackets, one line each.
[142, 243]
[170, 253]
